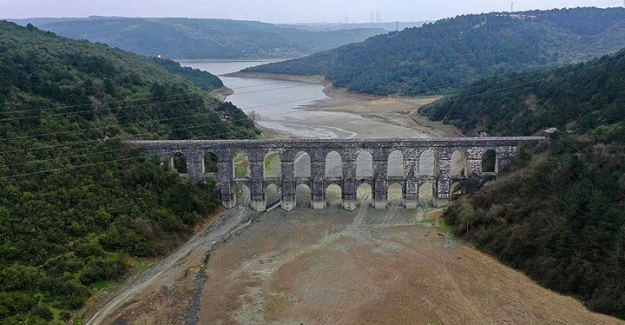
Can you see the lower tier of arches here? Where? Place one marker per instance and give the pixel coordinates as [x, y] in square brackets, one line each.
[348, 193]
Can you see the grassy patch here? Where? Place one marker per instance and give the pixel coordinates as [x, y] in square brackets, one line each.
[272, 165]
[101, 285]
[241, 165]
[446, 228]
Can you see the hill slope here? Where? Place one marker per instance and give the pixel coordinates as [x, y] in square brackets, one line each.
[448, 54]
[559, 215]
[582, 98]
[183, 38]
[74, 202]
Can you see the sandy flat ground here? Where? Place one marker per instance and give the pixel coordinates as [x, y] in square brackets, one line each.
[369, 267]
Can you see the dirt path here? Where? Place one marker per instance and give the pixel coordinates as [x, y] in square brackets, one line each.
[172, 268]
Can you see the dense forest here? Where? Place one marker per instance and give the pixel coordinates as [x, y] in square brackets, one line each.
[559, 213]
[447, 55]
[582, 98]
[75, 203]
[183, 38]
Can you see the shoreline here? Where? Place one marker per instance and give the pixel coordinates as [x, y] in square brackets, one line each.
[222, 93]
[395, 110]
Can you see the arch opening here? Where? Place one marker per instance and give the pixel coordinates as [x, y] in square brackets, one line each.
[426, 163]
[179, 163]
[489, 161]
[396, 166]
[211, 163]
[241, 163]
[458, 164]
[303, 197]
[426, 194]
[272, 165]
[302, 165]
[455, 191]
[272, 194]
[364, 165]
[243, 194]
[364, 194]
[334, 165]
[334, 195]
[395, 195]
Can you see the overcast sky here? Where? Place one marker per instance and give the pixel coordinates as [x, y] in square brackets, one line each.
[280, 11]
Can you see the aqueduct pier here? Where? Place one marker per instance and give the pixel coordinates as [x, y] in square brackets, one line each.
[407, 153]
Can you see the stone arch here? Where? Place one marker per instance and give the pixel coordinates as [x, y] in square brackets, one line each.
[426, 194]
[242, 194]
[396, 166]
[427, 163]
[334, 195]
[490, 161]
[302, 165]
[458, 164]
[211, 163]
[455, 191]
[364, 194]
[179, 162]
[364, 165]
[241, 165]
[272, 165]
[272, 194]
[334, 165]
[303, 196]
[395, 195]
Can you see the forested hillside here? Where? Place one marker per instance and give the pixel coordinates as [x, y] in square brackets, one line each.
[447, 55]
[582, 98]
[76, 204]
[559, 214]
[183, 38]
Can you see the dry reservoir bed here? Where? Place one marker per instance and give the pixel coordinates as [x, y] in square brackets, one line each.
[369, 267]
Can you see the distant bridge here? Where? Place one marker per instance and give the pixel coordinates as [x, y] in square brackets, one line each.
[386, 161]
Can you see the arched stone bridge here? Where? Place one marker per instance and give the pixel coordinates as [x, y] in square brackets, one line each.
[409, 152]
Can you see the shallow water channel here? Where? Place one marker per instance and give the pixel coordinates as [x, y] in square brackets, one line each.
[280, 106]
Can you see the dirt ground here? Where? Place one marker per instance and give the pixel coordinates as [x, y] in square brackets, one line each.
[369, 267]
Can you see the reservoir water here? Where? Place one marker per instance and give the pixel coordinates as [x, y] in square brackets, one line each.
[279, 104]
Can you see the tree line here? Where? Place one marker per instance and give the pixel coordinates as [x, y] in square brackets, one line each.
[445, 56]
[559, 213]
[76, 205]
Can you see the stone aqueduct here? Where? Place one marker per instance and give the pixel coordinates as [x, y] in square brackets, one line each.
[473, 150]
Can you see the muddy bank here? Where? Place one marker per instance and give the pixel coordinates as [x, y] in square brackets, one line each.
[222, 93]
[388, 113]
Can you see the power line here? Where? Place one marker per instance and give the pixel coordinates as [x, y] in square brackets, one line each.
[286, 113]
[289, 102]
[513, 48]
[259, 106]
[385, 69]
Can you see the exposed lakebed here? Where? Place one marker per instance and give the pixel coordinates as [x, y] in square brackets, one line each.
[286, 106]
